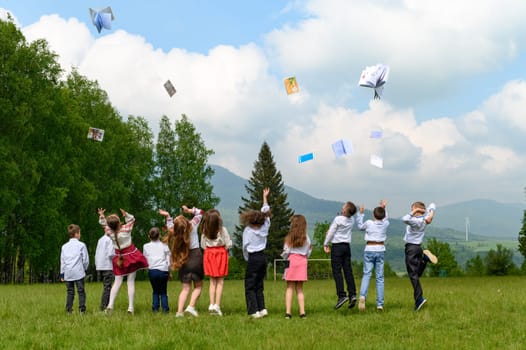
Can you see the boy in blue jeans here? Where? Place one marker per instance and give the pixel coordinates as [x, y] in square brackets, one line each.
[374, 253]
[74, 262]
[416, 259]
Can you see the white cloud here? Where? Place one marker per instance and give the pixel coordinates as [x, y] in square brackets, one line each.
[499, 159]
[509, 104]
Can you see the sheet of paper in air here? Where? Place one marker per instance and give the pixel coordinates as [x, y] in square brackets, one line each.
[101, 18]
[375, 77]
[305, 157]
[169, 88]
[342, 147]
[95, 134]
[376, 134]
[291, 85]
[377, 161]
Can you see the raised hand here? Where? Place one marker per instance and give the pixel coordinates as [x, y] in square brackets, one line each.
[101, 211]
[164, 212]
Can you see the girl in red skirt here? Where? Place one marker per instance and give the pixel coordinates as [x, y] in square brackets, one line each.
[296, 250]
[127, 259]
[215, 241]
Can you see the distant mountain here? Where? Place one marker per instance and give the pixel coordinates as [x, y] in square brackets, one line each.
[448, 226]
[486, 217]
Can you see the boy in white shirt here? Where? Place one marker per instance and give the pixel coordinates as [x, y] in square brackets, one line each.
[415, 258]
[103, 263]
[74, 262]
[374, 253]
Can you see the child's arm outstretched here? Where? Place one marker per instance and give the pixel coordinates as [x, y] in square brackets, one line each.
[431, 213]
[169, 220]
[359, 219]
[197, 213]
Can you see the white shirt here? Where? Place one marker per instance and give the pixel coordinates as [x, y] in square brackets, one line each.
[340, 230]
[194, 238]
[375, 231]
[124, 234]
[305, 249]
[74, 260]
[255, 239]
[104, 254]
[414, 232]
[158, 255]
[222, 240]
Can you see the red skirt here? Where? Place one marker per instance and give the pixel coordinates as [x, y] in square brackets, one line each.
[215, 260]
[297, 270]
[133, 260]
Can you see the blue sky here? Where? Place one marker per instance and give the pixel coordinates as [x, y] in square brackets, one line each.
[452, 110]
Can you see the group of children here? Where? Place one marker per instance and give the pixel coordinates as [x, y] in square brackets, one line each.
[181, 250]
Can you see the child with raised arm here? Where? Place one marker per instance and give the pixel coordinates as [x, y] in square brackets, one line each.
[158, 255]
[186, 256]
[103, 263]
[415, 258]
[296, 249]
[339, 236]
[257, 224]
[374, 253]
[74, 261]
[216, 242]
[127, 260]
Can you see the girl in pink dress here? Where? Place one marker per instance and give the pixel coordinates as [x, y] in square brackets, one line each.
[296, 250]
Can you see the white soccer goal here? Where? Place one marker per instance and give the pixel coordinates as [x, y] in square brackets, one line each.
[322, 272]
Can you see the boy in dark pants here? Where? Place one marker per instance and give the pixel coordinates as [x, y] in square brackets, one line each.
[416, 259]
[74, 262]
[339, 235]
[103, 263]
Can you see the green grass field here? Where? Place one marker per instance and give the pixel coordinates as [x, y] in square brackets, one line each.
[462, 313]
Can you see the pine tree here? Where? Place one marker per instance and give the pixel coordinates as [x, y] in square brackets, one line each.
[264, 175]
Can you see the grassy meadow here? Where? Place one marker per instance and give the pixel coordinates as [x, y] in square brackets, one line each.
[461, 313]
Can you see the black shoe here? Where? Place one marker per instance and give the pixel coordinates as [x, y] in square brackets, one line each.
[340, 302]
[303, 316]
[352, 302]
[288, 316]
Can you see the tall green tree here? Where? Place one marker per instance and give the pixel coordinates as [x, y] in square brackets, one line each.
[447, 265]
[184, 176]
[265, 174]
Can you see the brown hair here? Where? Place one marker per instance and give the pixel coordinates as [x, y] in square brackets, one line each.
[114, 222]
[297, 235]
[379, 213]
[178, 240]
[73, 230]
[211, 224]
[154, 233]
[349, 209]
[253, 217]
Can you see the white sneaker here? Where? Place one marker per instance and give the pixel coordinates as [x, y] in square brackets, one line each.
[217, 310]
[212, 308]
[263, 313]
[256, 315]
[191, 310]
[179, 314]
[361, 304]
[430, 256]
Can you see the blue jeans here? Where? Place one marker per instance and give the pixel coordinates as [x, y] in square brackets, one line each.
[373, 260]
[159, 282]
